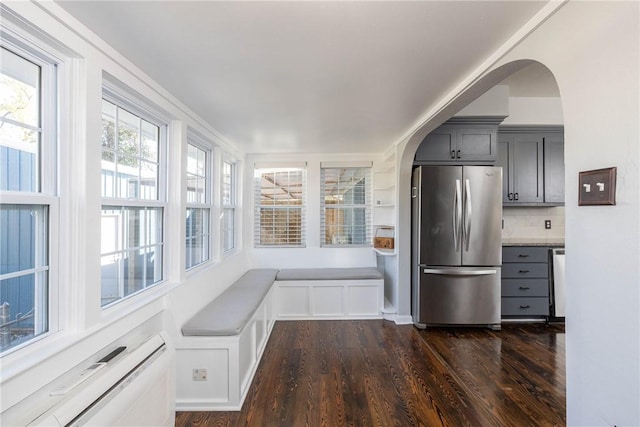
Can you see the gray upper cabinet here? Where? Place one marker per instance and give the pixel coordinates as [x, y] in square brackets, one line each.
[554, 168]
[532, 159]
[461, 140]
[521, 156]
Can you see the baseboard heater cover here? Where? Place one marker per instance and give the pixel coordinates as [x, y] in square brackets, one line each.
[136, 390]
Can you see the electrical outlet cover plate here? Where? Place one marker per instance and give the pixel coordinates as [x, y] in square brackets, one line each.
[199, 374]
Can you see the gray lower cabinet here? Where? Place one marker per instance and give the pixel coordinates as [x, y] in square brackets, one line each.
[525, 282]
[532, 159]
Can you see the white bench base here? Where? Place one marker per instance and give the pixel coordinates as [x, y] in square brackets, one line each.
[230, 362]
[329, 299]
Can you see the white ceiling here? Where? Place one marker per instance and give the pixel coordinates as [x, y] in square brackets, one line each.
[323, 77]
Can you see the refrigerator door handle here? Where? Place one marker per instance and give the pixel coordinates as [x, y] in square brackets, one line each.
[467, 219]
[457, 214]
[443, 271]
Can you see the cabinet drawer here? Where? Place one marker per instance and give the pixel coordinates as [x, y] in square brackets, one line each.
[525, 288]
[525, 306]
[525, 271]
[525, 254]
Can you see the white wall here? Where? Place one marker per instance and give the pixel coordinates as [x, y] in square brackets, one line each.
[494, 102]
[597, 71]
[597, 74]
[534, 111]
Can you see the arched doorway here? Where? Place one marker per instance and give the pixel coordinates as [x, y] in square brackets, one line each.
[528, 78]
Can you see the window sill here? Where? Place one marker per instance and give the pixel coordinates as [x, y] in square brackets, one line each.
[15, 362]
[345, 246]
[129, 305]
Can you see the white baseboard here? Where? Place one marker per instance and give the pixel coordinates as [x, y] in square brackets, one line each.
[403, 320]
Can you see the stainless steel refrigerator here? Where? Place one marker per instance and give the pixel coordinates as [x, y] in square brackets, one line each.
[457, 245]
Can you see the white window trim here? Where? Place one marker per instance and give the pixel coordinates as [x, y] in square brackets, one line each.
[126, 98]
[48, 181]
[233, 205]
[195, 139]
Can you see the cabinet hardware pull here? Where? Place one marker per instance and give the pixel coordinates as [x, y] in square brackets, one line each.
[510, 196]
[458, 154]
[453, 154]
[523, 271]
[515, 196]
[525, 306]
[524, 288]
[523, 255]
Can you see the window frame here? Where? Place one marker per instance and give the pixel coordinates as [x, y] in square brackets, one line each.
[198, 142]
[258, 172]
[232, 206]
[127, 99]
[367, 206]
[46, 192]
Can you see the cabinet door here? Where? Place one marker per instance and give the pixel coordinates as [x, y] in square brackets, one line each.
[438, 146]
[476, 145]
[527, 169]
[505, 144]
[554, 168]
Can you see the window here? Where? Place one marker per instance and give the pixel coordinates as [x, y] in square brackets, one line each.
[346, 206]
[228, 206]
[132, 201]
[280, 200]
[28, 191]
[198, 232]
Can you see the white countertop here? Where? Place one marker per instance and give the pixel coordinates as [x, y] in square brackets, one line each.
[540, 241]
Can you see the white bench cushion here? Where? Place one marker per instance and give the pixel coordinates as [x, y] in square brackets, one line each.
[228, 313]
[353, 273]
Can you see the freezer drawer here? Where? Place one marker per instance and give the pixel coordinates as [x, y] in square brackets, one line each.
[461, 296]
[535, 306]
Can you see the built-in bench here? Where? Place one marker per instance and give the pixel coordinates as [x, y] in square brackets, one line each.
[221, 345]
[329, 293]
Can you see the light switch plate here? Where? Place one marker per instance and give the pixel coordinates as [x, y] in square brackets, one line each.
[597, 187]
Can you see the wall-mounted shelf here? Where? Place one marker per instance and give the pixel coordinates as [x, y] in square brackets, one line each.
[384, 190]
[385, 252]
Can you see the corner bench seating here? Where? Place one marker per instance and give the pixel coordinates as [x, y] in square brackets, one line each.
[228, 336]
[329, 293]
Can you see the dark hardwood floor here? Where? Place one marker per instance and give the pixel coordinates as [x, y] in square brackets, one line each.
[375, 373]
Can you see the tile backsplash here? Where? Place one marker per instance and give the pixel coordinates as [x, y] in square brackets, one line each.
[528, 223]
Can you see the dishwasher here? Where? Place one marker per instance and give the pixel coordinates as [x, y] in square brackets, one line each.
[558, 306]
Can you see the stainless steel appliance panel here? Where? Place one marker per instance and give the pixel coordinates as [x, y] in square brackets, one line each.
[482, 216]
[558, 283]
[459, 296]
[416, 231]
[440, 238]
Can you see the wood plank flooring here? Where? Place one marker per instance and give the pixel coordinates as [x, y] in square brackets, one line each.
[375, 373]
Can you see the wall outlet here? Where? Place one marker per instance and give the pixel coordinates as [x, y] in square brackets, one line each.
[199, 374]
[547, 224]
